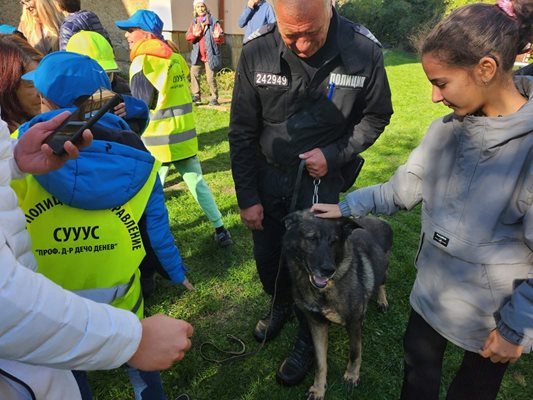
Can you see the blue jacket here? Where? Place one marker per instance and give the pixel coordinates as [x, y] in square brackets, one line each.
[255, 18]
[80, 21]
[107, 174]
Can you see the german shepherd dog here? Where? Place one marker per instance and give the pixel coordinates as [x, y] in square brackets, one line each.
[335, 266]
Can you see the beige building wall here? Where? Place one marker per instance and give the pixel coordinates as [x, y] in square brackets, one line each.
[176, 15]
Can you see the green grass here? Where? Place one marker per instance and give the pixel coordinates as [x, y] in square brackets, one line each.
[228, 298]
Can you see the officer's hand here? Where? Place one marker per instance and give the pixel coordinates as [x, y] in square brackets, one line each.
[500, 350]
[315, 163]
[252, 217]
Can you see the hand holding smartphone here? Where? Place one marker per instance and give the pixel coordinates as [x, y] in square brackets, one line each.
[72, 128]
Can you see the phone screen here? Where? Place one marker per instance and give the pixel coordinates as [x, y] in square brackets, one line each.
[72, 129]
[64, 133]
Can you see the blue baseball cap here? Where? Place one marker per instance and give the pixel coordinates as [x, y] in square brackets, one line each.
[146, 20]
[63, 77]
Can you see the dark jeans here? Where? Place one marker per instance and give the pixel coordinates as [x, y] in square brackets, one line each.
[146, 385]
[477, 378]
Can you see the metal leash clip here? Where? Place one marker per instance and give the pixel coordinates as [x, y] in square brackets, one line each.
[316, 184]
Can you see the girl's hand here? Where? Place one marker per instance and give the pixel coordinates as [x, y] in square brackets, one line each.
[120, 110]
[322, 210]
[500, 350]
[187, 284]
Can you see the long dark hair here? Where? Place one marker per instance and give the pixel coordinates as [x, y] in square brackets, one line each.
[16, 55]
[477, 30]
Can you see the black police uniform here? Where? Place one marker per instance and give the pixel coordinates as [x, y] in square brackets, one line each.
[338, 100]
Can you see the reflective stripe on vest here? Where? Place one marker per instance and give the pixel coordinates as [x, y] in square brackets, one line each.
[165, 140]
[170, 134]
[95, 253]
[116, 295]
[171, 112]
[106, 295]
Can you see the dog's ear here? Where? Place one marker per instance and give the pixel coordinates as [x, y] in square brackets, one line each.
[292, 219]
[348, 226]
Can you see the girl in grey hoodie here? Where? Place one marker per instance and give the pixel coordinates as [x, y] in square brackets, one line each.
[473, 174]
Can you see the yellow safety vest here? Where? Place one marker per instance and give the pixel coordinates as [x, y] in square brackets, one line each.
[93, 253]
[171, 133]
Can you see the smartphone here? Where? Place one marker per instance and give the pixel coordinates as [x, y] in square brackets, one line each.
[72, 128]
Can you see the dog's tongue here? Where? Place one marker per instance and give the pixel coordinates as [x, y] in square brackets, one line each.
[319, 281]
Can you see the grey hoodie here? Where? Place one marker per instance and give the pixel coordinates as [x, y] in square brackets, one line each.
[474, 178]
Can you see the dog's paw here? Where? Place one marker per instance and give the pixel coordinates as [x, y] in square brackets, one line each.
[383, 307]
[351, 381]
[315, 393]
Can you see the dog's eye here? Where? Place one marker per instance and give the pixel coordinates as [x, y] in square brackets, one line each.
[311, 238]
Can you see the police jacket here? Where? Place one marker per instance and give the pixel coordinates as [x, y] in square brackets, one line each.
[280, 112]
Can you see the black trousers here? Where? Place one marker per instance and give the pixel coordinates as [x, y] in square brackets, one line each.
[276, 189]
[477, 378]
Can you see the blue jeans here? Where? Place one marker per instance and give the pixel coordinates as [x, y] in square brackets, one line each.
[146, 385]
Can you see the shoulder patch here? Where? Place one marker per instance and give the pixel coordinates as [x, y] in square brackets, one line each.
[260, 32]
[360, 29]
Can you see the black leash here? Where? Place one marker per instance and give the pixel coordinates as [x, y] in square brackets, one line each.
[241, 354]
[297, 185]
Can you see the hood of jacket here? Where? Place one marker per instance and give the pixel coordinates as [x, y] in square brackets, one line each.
[499, 130]
[106, 174]
[150, 47]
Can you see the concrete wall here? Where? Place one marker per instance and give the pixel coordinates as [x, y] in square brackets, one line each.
[176, 15]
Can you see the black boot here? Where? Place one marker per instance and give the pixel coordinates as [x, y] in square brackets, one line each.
[270, 325]
[299, 361]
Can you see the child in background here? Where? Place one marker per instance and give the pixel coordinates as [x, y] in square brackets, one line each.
[473, 174]
[77, 20]
[159, 77]
[94, 45]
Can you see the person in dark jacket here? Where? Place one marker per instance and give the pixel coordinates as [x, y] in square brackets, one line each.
[77, 20]
[312, 91]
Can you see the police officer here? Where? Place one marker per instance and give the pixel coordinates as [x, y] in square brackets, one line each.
[312, 89]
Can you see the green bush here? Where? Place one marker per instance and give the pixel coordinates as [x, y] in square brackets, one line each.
[224, 78]
[396, 23]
